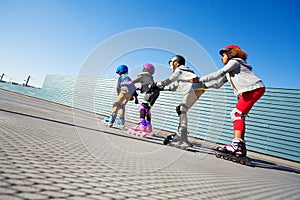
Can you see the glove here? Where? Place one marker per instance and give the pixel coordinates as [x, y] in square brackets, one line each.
[172, 88]
[138, 88]
[159, 84]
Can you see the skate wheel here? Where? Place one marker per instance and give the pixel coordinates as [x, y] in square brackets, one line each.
[137, 134]
[130, 132]
[247, 161]
[140, 134]
[218, 155]
[242, 161]
[145, 135]
[225, 157]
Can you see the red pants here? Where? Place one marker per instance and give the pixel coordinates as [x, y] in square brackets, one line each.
[244, 104]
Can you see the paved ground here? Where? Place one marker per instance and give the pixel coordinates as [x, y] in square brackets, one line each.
[49, 151]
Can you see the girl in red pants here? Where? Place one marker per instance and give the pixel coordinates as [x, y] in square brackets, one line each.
[247, 87]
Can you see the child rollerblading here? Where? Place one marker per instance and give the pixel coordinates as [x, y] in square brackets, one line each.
[145, 78]
[248, 89]
[188, 81]
[125, 93]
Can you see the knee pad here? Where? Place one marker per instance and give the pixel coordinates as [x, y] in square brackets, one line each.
[234, 117]
[145, 107]
[181, 109]
[116, 104]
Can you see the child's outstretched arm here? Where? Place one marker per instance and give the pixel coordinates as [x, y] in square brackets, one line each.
[172, 88]
[215, 84]
[171, 79]
[137, 80]
[231, 65]
[213, 76]
[126, 83]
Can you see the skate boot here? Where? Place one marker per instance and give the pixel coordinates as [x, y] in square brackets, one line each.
[109, 121]
[140, 127]
[236, 152]
[169, 138]
[121, 122]
[184, 136]
[148, 129]
[175, 137]
[179, 140]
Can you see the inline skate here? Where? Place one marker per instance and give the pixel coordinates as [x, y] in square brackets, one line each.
[236, 152]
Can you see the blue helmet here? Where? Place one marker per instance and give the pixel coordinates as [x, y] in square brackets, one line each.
[122, 69]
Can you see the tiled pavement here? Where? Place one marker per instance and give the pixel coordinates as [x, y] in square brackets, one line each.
[49, 151]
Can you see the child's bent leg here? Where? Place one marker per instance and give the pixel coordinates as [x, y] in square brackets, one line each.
[144, 110]
[122, 100]
[187, 102]
[243, 107]
[238, 115]
[126, 98]
[152, 96]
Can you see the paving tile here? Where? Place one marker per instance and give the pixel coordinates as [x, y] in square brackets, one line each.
[55, 194]
[43, 156]
[7, 190]
[10, 197]
[31, 196]
[72, 192]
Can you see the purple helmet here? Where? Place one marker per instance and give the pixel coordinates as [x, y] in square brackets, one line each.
[149, 67]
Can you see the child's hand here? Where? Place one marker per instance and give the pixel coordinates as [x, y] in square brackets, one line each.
[172, 88]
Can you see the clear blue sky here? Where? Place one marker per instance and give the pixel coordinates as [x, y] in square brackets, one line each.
[40, 37]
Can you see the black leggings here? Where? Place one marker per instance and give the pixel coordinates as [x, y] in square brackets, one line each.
[150, 97]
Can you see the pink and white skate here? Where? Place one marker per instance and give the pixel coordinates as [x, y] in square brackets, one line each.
[235, 152]
[135, 130]
[146, 132]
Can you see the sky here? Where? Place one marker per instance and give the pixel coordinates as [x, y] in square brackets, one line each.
[41, 37]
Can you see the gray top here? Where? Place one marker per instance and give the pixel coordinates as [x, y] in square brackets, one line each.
[238, 73]
[182, 76]
[144, 78]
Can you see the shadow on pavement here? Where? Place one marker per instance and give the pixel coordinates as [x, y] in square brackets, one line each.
[256, 163]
